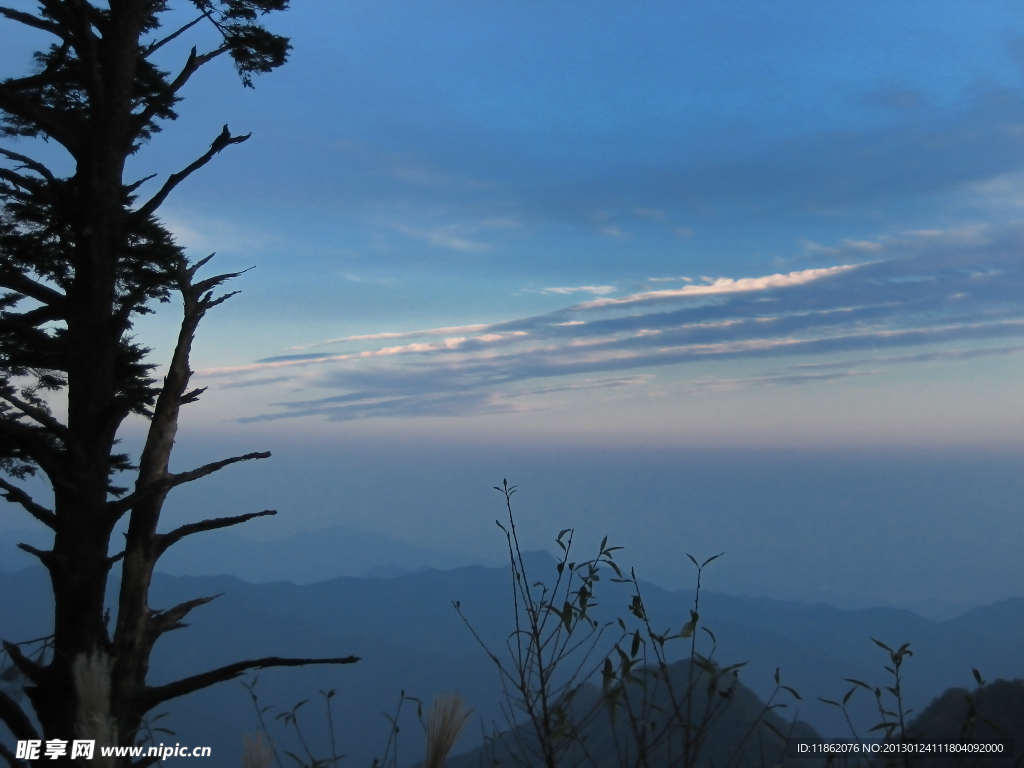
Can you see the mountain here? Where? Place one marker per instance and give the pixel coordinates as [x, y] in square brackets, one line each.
[303, 558]
[730, 726]
[994, 713]
[412, 639]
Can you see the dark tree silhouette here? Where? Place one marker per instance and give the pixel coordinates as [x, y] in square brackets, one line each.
[81, 256]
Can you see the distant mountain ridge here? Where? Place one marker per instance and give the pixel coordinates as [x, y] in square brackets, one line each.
[411, 639]
[303, 558]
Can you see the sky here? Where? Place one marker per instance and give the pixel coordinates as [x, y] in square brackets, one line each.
[606, 243]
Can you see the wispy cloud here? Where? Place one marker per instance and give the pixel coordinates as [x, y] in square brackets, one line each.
[449, 236]
[399, 335]
[261, 382]
[934, 290]
[397, 401]
[597, 289]
[721, 285]
[809, 373]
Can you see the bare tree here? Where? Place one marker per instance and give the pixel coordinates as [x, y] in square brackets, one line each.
[81, 257]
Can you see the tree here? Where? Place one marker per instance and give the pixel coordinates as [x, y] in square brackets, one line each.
[81, 257]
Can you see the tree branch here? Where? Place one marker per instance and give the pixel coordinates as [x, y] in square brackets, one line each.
[14, 717]
[34, 317]
[29, 668]
[129, 188]
[38, 511]
[33, 21]
[9, 757]
[45, 555]
[26, 286]
[156, 46]
[167, 540]
[223, 140]
[32, 440]
[162, 693]
[165, 621]
[130, 302]
[171, 481]
[16, 178]
[38, 415]
[28, 162]
[192, 64]
[47, 119]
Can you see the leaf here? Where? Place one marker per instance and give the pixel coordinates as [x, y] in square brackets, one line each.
[793, 692]
[607, 675]
[829, 701]
[636, 607]
[692, 559]
[635, 647]
[977, 677]
[880, 644]
[858, 683]
[711, 635]
[712, 558]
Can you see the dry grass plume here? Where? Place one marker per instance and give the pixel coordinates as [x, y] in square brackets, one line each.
[445, 722]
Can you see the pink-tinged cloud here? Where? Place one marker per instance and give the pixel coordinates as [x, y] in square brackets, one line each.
[399, 335]
[721, 286]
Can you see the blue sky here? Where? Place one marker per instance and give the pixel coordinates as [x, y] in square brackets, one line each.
[521, 228]
[592, 216]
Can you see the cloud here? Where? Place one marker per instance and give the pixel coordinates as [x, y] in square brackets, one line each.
[915, 154]
[721, 285]
[720, 385]
[598, 289]
[395, 335]
[950, 294]
[263, 382]
[809, 373]
[444, 237]
[388, 400]
[450, 404]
